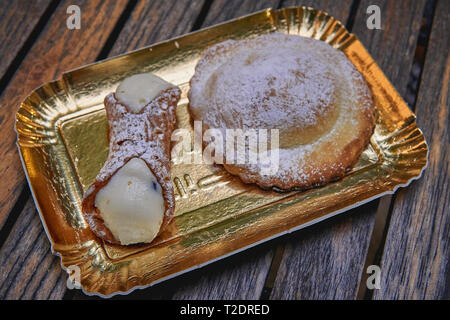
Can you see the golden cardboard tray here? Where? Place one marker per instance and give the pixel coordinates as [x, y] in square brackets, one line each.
[62, 138]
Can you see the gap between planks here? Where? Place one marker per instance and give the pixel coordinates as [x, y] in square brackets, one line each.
[33, 36]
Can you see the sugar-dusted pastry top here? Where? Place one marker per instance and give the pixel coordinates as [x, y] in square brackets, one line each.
[303, 87]
[132, 199]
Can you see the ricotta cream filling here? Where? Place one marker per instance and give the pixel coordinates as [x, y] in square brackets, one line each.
[131, 203]
[140, 89]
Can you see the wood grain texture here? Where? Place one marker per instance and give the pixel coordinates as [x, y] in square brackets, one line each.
[58, 49]
[153, 21]
[28, 270]
[338, 9]
[240, 276]
[327, 261]
[393, 46]
[17, 20]
[223, 10]
[416, 257]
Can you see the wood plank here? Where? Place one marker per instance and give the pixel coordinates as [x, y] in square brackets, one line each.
[393, 47]
[326, 261]
[338, 9]
[28, 269]
[153, 21]
[415, 263]
[58, 49]
[38, 273]
[241, 276]
[223, 10]
[17, 21]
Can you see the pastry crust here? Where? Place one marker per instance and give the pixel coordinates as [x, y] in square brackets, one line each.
[145, 135]
[303, 87]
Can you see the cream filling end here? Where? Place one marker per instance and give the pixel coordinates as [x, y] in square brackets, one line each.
[131, 203]
[140, 89]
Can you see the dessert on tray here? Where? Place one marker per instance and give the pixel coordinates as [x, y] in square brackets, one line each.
[309, 91]
[132, 199]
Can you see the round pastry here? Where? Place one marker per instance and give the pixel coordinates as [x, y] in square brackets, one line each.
[309, 91]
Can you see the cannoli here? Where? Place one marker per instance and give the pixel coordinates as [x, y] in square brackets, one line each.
[132, 199]
[307, 91]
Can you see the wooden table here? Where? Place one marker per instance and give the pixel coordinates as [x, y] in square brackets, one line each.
[407, 234]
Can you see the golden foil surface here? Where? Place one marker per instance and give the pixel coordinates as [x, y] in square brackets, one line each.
[62, 138]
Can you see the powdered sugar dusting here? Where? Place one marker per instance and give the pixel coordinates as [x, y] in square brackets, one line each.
[285, 82]
[145, 135]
